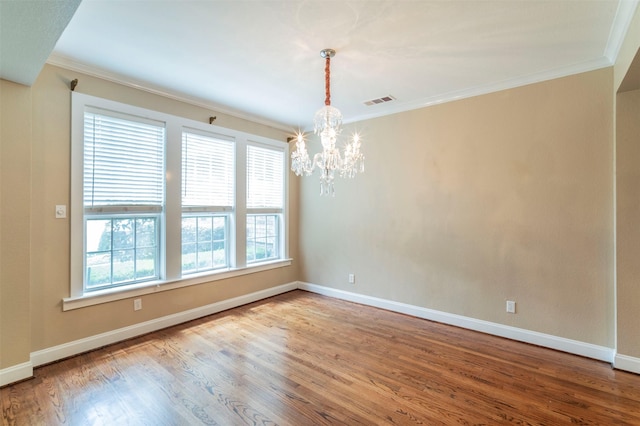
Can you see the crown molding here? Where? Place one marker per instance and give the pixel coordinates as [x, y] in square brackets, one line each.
[619, 28]
[526, 80]
[71, 65]
[546, 75]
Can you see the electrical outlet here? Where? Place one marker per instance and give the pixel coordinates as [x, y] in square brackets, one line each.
[511, 306]
[137, 304]
[352, 279]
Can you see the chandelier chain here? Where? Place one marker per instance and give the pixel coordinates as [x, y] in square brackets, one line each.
[327, 81]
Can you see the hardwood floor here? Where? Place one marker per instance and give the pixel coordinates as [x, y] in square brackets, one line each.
[304, 359]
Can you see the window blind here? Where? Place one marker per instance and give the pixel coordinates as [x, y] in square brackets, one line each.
[123, 161]
[265, 177]
[207, 171]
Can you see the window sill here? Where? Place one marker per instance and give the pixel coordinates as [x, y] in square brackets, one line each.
[113, 294]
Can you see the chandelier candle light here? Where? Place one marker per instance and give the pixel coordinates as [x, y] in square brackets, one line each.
[328, 124]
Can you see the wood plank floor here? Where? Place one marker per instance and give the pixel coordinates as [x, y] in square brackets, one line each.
[304, 359]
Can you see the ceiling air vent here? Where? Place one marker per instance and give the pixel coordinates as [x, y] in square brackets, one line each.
[381, 100]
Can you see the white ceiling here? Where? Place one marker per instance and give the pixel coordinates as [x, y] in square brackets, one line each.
[260, 59]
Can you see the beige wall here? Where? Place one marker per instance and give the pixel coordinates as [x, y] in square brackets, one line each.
[15, 181]
[628, 221]
[627, 193]
[35, 246]
[506, 196]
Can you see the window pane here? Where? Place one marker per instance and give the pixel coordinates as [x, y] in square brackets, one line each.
[123, 266]
[98, 235]
[219, 255]
[219, 228]
[145, 232]
[262, 237]
[98, 269]
[260, 249]
[205, 231]
[251, 228]
[260, 228]
[204, 243]
[189, 226]
[271, 248]
[146, 263]
[205, 256]
[189, 257]
[271, 225]
[251, 252]
[122, 234]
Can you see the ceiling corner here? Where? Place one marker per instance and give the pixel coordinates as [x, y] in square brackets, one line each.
[619, 28]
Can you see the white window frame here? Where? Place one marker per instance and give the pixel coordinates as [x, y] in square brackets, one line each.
[273, 210]
[103, 206]
[225, 211]
[170, 233]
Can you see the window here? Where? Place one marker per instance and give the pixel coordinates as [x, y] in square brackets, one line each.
[123, 198]
[265, 196]
[207, 197]
[155, 200]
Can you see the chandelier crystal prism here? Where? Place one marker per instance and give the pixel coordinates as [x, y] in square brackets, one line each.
[327, 123]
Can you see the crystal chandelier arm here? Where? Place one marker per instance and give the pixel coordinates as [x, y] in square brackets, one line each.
[318, 161]
[300, 161]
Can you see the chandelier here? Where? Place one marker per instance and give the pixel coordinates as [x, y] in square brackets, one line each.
[328, 124]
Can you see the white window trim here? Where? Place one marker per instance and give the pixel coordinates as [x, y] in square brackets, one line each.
[171, 267]
[141, 289]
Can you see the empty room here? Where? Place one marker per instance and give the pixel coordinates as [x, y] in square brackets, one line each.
[307, 212]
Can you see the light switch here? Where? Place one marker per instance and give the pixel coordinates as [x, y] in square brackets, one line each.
[61, 211]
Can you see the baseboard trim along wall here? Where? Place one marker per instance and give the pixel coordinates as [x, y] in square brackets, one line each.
[25, 370]
[627, 363]
[546, 340]
[16, 373]
[83, 345]
[55, 353]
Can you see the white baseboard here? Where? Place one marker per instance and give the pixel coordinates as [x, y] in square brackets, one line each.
[25, 370]
[627, 363]
[93, 342]
[546, 340]
[16, 373]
